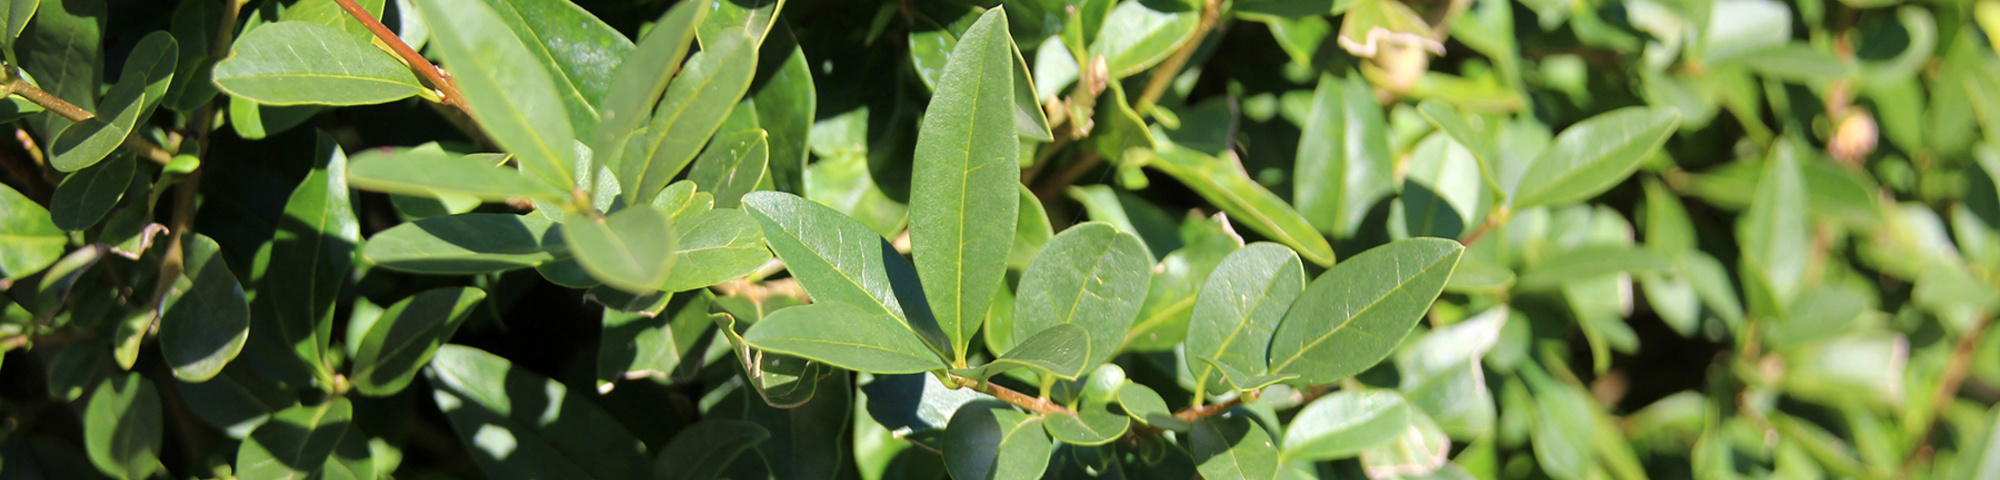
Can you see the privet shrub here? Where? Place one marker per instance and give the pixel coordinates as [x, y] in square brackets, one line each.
[927, 239]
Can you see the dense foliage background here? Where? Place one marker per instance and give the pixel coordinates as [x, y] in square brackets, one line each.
[926, 239]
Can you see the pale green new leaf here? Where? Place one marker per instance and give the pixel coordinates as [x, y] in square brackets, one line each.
[28, 235]
[1355, 314]
[1345, 423]
[640, 78]
[1225, 184]
[1137, 35]
[962, 196]
[731, 166]
[305, 63]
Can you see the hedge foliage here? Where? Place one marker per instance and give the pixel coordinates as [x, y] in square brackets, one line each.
[1019, 239]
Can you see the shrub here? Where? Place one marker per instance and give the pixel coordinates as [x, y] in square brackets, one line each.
[818, 239]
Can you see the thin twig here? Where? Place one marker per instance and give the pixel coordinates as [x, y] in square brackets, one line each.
[1032, 403]
[1163, 75]
[48, 101]
[1498, 216]
[447, 89]
[1954, 376]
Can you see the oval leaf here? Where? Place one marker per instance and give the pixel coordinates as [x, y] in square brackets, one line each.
[468, 244]
[1092, 276]
[632, 250]
[1240, 306]
[122, 427]
[206, 328]
[845, 336]
[85, 196]
[1594, 155]
[990, 441]
[403, 339]
[305, 63]
[1355, 314]
[506, 88]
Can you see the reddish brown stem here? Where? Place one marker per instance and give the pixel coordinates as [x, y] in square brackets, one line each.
[448, 90]
[1955, 372]
[1032, 403]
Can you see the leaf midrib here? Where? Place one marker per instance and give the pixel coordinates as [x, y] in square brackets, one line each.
[1309, 346]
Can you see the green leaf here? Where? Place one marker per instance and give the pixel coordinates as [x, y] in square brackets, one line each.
[1589, 261]
[845, 336]
[632, 250]
[236, 401]
[1565, 418]
[64, 53]
[836, 259]
[305, 63]
[732, 165]
[786, 105]
[512, 98]
[206, 328]
[1061, 350]
[1344, 167]
[1244, 381]
[809, 441]
[1416, 451]
[1093, 424]
[314, 246]
[718, 246]
[1456, 399]
[988, 440]
[1240, 306]
[640, 78]
[696, 103]
[1137, 35]
[580, 52]
[296, 442]
[149, 70]
[403, 339]
[1233, 447]
[1461, 129]
[426, 172]
[1145, 405]
[1594, 155]
[1345, 423]
[701, 451]
[1092, 276]
[467, 244]
[660, 344]
[18, 12]
[961, 212]
[329, 13]
[85, 196]
[756, 17]
[122, 427]
[1355, 314]
[28, 235]
[519, 425]
[1224, 183]
[1776, 233]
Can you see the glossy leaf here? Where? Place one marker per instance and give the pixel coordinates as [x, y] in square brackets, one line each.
[1139, 34]
[1345, 423]
[149, 70]
[305, 63]
[1093, 424]
[715, 247]
[519, 425]
[18, 12]
[1594, 155]
[86, 196]
[314, 246]
[466, 244]
[786, 101]
[962, 206]
[1240, 306]
[32, 240]
[990, 441]
[836, 258]
[1145, 405]
[639, 79]
[845, 336]
[1356, 313]
[403, 339]
[579, 51]
[507, 90]
[1343, 167]
[1090, 275]
[1228, 187]
[701, 451]
[1233, 447]
[431, 173]
[122, 427]
[206, 328]
[660, 343]
[695, 105]
[732, 165]
[297, 441]
[632, 249]
[1062, 350]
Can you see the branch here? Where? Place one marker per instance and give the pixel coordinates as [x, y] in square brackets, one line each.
[48, 101]
[1034, 404]
[1499, 216]
[1947, 389]
[447, 89]
[1163, 75]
